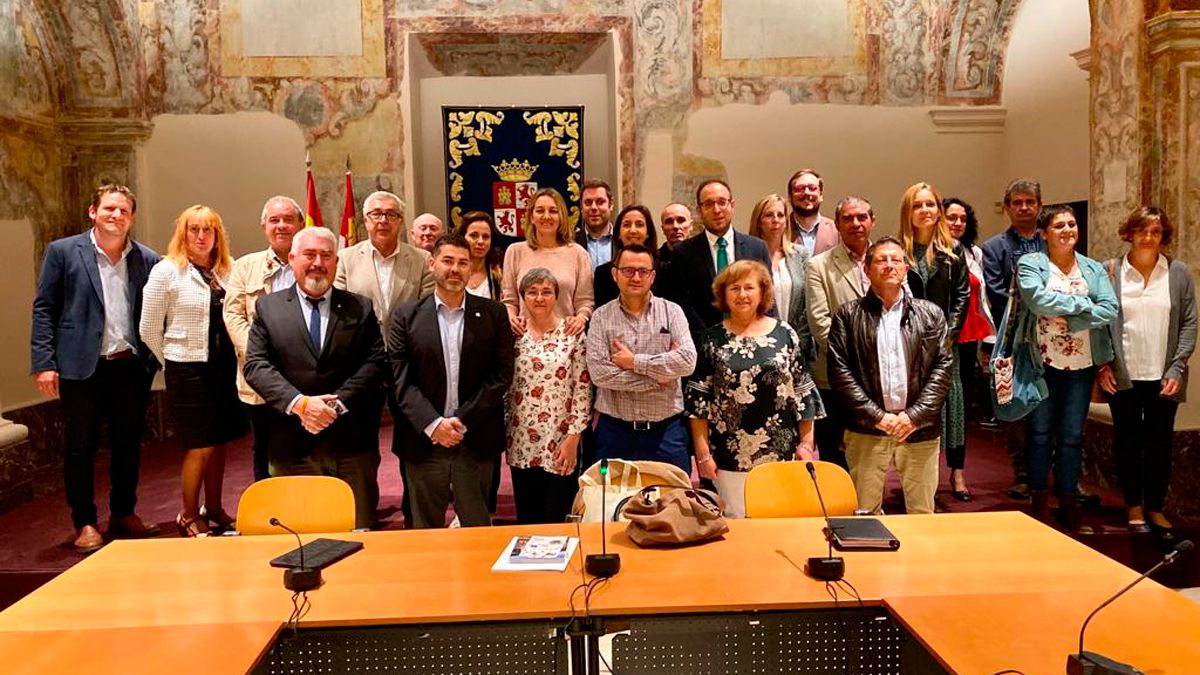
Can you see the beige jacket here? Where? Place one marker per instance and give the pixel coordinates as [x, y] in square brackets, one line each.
[411, 277]
[249, 281]
[830, 281]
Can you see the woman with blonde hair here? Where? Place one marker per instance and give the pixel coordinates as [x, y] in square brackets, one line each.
[751, 399]
[550, 244]
[182, 324]
[769, 221]
[938, 272]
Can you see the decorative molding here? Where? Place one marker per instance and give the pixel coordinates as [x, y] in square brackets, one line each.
[1173, 31]
[487, 54]
[1083, 59]
[104, 131]
[973, 120]
[372, 63]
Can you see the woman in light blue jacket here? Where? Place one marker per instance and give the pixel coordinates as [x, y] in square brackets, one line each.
[1070, 302]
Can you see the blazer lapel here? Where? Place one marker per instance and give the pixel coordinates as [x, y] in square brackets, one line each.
[336, 308]
[847, 267]
[298, 322]
[87, 255]
[472, 321]
[366, 268]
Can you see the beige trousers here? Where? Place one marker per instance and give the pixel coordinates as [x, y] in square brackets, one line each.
[917, 463]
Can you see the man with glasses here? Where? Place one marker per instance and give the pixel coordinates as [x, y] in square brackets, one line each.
[638, 348]
[390, 273]
[809, 227]
[696, 261]
[254, 275]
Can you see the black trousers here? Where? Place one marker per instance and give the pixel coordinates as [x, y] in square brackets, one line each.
[1143, 430]
[541, 496]
[116, 394]
[829, 430]
[405, 503]
[260, 428]
[429, 481]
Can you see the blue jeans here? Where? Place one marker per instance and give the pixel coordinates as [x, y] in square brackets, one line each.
[1055, 429]
[665, 442]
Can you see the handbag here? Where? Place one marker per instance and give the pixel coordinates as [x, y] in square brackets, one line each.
[1017, 383]
[625, 478]
[664, 515]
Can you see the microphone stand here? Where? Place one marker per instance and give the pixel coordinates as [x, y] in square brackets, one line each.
[603, 564]
[1090, 663]
[298, 579]
[831, 567]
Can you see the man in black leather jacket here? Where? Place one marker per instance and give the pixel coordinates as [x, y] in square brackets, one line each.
[888, 365]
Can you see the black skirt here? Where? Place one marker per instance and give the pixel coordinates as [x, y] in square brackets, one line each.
[204, 406]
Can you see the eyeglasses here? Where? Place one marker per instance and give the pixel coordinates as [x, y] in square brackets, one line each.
[710, 204]
[806, 188]
[631, 272]
[380, 216]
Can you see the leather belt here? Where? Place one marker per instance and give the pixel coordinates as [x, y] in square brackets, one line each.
[644, 425]
[123, 354]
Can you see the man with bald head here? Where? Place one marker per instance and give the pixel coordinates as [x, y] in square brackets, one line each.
[426, 230]
[254, 275]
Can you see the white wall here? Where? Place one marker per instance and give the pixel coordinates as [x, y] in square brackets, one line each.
[232, 163]
[871, 151]
[1046, 95]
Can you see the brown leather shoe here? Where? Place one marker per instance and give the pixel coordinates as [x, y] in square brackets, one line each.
[88, 539]
[132, 526]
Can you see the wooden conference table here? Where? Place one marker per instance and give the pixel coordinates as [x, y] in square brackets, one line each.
[983, 592]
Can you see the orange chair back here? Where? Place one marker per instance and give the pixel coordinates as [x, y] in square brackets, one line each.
[785, 490]
[306, 504]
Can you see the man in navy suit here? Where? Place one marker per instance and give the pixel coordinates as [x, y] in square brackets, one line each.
[315, 355]
[85, 350]
[696, 261]
[452, 359]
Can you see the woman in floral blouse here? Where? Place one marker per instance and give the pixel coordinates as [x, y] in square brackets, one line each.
[750, 400]
[1066, 305]
[549, 405]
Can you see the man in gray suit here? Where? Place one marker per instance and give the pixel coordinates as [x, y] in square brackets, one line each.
[390, 273]
[86, 350]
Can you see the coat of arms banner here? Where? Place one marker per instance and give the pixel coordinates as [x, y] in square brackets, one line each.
[497, 158]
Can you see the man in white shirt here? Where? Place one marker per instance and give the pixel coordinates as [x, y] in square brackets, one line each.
[390, 273]
[887, 367]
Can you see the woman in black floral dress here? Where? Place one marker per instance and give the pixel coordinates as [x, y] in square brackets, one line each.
[750, 400]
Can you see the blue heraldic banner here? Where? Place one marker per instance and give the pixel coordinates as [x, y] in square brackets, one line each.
[497, 158]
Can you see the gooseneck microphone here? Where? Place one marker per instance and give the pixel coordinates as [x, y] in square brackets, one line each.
[831, 567]
[300, 578]
[603, 564]
[1090, 663]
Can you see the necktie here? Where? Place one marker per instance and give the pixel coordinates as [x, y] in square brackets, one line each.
[722, 254]
[314, 323]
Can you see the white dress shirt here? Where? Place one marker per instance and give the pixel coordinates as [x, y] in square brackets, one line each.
[384, 264]
[118, 334]
[712, 246]
[306, 309]
[1146, 305]
[450, 326]
[782, 279]
[893, 369]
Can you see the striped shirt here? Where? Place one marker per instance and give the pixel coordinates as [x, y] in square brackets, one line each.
[651, 391]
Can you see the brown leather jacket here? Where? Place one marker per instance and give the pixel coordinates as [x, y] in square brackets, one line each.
[854, 364]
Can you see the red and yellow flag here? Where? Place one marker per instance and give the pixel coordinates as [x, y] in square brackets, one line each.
[348, 232]
[312, 210]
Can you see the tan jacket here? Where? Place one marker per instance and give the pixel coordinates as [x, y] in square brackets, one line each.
[249, 281]
[830, 281]
[411, 277]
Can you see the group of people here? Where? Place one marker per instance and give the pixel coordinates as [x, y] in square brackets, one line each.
[809, 337]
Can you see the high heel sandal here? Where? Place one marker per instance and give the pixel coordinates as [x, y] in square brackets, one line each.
[219, 519]
[191, 527]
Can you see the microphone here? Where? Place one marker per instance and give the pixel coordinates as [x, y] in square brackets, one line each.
[603, 564]
[300, 578]
[1090, 663]
[831, 567]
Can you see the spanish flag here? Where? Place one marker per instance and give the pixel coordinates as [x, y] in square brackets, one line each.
[312, 210]
[348, 232]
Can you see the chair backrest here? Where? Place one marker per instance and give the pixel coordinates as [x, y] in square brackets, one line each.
[304, 503]
[785, 490]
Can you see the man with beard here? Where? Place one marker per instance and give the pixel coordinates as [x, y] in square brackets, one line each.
[809, 227]
[452, 362]
[316, 357]
[595, 232]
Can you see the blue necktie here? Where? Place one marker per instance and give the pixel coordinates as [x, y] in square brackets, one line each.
[314, 323]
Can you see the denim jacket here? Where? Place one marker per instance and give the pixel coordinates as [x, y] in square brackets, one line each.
[1092, 312]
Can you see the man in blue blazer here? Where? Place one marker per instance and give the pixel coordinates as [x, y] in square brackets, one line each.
[696, 261]
[86, 351]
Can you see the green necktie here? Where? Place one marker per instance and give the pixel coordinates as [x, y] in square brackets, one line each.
[722, 255]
